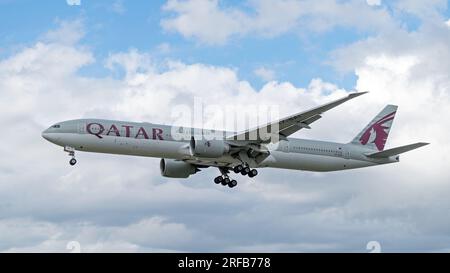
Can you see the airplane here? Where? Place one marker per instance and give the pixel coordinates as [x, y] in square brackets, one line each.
[185, 151]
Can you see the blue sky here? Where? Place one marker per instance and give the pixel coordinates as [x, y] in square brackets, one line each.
[293, 56]
[287, 53]
[112, 26]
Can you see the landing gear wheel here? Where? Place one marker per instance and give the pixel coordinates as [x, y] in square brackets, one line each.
[232, 184]
[226, 181]
[72, 162]
[245, 171]
[238, 168]
[71, 152]
[253, 173]
[218, 180]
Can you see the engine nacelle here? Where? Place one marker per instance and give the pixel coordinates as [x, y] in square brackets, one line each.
[208, 148]
[176, 169]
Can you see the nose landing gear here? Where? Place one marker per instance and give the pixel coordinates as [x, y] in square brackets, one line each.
[72, 162]
[71, 152]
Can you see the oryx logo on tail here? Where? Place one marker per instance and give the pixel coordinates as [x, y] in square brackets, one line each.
[376, 133]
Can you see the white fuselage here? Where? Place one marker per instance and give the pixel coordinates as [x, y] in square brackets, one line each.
[151, 140]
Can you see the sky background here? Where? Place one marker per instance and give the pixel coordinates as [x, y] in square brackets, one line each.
[137, 60]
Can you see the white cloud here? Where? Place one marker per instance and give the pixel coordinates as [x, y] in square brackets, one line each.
[200, 19]
[22, 235]
[132, 62]
[429, 10]
[448, 22]
[69, 33]
[164, 48]
[373, 2]
[73, 2]
[265, 74]
[111, 203]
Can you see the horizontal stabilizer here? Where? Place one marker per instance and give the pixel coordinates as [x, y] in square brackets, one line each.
[396, 151]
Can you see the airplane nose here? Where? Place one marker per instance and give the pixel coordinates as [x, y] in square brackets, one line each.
[51, 136]
[46, 135]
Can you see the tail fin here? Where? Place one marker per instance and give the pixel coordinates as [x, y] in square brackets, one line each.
[375, 134]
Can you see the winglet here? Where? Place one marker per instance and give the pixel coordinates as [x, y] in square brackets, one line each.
[357, 94]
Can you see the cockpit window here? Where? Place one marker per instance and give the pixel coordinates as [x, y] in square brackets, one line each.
[57, 126]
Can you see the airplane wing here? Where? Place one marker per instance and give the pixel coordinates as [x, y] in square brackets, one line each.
[279, 130]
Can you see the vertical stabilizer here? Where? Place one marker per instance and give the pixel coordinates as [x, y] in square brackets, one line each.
[375, 134]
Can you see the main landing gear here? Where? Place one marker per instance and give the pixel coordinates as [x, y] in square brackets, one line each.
[225, 180]
[244, 169]
[71, 152]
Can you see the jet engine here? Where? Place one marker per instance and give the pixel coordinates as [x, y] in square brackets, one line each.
[176, 169]
[208, 148]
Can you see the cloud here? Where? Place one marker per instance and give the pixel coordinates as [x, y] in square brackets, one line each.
[69, 33]
[264, 73]
[132, 62]
[73, 2]
[428, 11]
[164, 48]
[44, 236]
[373, 2]
[121, 203]
[199, 19]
